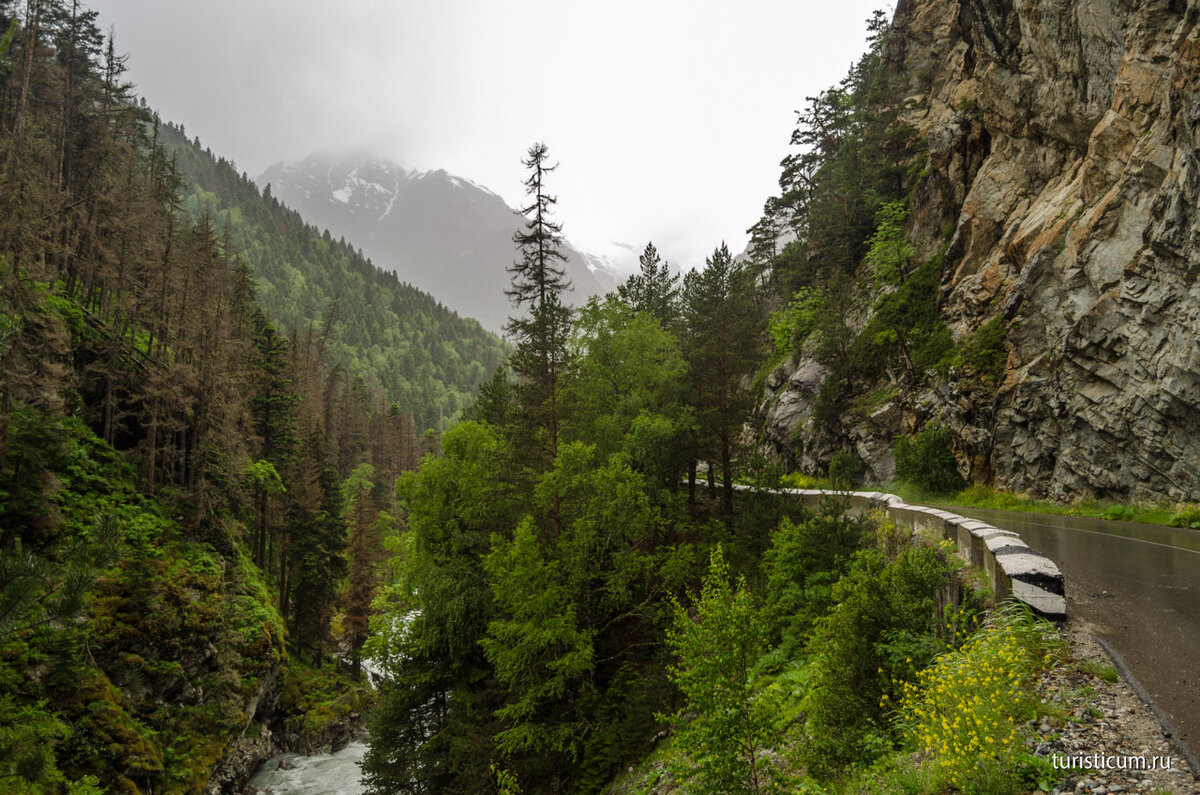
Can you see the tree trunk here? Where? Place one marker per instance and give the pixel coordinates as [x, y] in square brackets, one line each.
[727, 474]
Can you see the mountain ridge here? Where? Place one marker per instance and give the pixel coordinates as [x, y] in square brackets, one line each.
[443, 233]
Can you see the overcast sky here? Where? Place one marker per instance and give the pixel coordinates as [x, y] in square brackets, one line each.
[669, 119]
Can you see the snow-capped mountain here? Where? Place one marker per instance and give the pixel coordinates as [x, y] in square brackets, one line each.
[442, 233]
[611, 260]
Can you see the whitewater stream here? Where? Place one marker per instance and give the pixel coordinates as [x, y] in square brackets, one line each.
[323, 774]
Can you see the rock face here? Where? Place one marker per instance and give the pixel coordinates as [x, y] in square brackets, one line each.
[1063, 138]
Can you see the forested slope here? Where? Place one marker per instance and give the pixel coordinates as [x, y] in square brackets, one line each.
[421, 354]
[187, 496]
[569, 612]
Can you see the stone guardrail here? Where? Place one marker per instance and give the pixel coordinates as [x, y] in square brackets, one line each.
[1013, 567]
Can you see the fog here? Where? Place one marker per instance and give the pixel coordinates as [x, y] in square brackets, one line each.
[669, 119]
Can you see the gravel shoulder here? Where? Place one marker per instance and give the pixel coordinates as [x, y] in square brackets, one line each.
[1097, 722]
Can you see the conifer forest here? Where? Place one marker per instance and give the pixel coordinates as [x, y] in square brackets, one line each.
[260, 495]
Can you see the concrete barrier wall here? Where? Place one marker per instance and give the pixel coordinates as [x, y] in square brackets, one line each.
[1013, 568]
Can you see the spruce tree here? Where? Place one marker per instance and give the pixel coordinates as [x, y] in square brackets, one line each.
[654, 289]
[722, 346]
[539, 280]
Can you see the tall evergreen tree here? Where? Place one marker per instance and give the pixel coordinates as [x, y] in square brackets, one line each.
[315, 562]
[722, 347]
[539, 280]
[365, 553]
[654, 289]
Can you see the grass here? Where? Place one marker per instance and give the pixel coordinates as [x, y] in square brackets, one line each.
[1099, 670]
[1185, 515]
[989, 498]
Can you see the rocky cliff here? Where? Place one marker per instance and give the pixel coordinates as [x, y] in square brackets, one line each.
[1060, 143]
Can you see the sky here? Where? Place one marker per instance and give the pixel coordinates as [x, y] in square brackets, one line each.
[668, 118]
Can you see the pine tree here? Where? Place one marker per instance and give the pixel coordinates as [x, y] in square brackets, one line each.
[314, 563]
[365, 553]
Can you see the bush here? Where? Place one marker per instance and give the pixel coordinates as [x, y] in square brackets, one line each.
[881, 631]
[792, 324]
[845, 470]
[805, 560]
[964, 713]
[906, 327]
[984, 352]
[1186, 516]
[926, 461]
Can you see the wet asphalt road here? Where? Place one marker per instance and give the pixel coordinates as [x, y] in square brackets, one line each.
[1139, 585]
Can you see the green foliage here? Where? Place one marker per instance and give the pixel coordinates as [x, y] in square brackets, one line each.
[506, 781]
[148, 409]
[791, 325]
[262, 474]
[721, 345]
[906, 327]
[35, 591]
[965, 712]
[927, 461]
[625, 388]
[654, 290]
[805, 561]
[1118, 513]
[853, 155]
[726, 723]
[539, 649]
[159, 613]
[452, 503]
[1100, 670]
[890, 251]
[984, 352]
[561, 577]
[429, 622]
[318, 697]
[880, 631]
[317, 543]
[979, 496]
[5, 42]
[1186, 516]
[29, 735]
[845, 469]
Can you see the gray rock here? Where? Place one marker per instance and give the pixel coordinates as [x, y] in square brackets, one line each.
[1062, 141]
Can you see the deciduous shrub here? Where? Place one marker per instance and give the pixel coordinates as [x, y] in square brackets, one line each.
[926, 461]
[881, 631]
[793, 323]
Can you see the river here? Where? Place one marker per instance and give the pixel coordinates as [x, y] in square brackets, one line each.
[323, 774]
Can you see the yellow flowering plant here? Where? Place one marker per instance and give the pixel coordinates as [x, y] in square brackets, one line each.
[965, 712]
